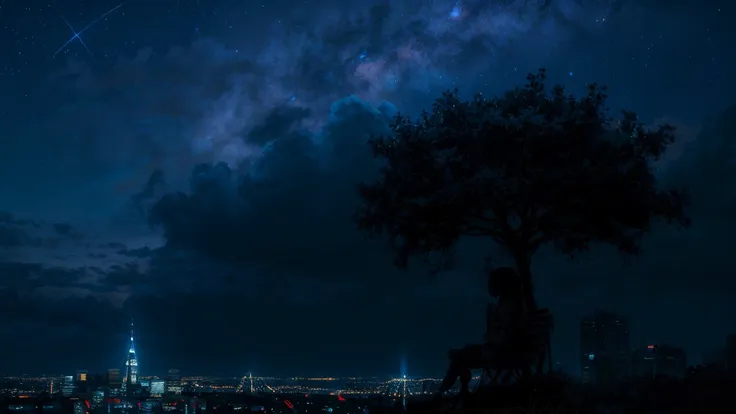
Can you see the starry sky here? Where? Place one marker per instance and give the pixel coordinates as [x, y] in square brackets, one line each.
[192, 165]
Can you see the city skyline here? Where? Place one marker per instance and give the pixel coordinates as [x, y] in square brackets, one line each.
[597, 331]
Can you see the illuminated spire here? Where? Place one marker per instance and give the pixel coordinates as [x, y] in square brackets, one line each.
[131, 362]
[132, 338]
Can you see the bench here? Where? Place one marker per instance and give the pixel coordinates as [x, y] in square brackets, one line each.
[530, 351]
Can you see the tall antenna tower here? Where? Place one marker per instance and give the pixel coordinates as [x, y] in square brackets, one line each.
[131, 362]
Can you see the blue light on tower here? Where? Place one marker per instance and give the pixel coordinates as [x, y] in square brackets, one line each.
[131, 362]
[404, 371]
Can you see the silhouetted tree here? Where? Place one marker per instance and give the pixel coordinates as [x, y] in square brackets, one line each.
[533, 167]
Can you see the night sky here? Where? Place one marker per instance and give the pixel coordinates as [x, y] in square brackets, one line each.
[285, 93]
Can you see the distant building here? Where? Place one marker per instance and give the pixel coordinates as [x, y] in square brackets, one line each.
[659, 360]
[588, 350]
[67, 386]
[114, 379]
[79, 407]
[173, 382]
[605, 348]
[82, 375]
[158, 388]
[98, 398]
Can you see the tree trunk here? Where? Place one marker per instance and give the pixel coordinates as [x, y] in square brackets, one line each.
[523, 267]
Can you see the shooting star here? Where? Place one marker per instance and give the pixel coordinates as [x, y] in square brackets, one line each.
[76, 35]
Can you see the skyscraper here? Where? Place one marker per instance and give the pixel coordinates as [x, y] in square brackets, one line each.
[113, 378]
[587, 350]
[67, 387]
[173, 382]
[659, 360]
[605, 348]
[81, 375]
[131, 364]
[158, 388]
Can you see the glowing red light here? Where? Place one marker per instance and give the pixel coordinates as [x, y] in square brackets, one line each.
[650, 346]
[340, 398]
[87, 404]
[289, 404]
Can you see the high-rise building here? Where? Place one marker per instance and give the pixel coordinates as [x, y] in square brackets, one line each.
[605, 348]
[98, 398]
[131, 363]
[82, 375]
[158, 387]
[173, 382]
[659, 360]
[79, 407]
[113, 378]
[67, 387]
[587, 349]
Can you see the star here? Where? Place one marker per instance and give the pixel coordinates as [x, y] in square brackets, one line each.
[76, 35]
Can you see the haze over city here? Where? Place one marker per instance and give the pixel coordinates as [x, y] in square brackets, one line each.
[266, 271]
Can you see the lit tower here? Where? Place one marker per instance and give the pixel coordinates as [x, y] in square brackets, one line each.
[131, 362]
[403, 395]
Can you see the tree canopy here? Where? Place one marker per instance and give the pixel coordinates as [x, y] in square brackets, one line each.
[535, 166]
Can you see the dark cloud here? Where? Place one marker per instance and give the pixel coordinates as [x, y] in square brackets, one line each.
[290, 213]
[18, 232]
[277, 124]
[57, 260]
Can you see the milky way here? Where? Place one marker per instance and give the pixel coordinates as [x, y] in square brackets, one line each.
[193, 104]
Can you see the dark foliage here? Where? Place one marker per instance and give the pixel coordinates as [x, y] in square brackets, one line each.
[533, 167]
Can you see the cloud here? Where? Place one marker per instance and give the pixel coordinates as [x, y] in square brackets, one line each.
[290, 213]
[58, 260]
